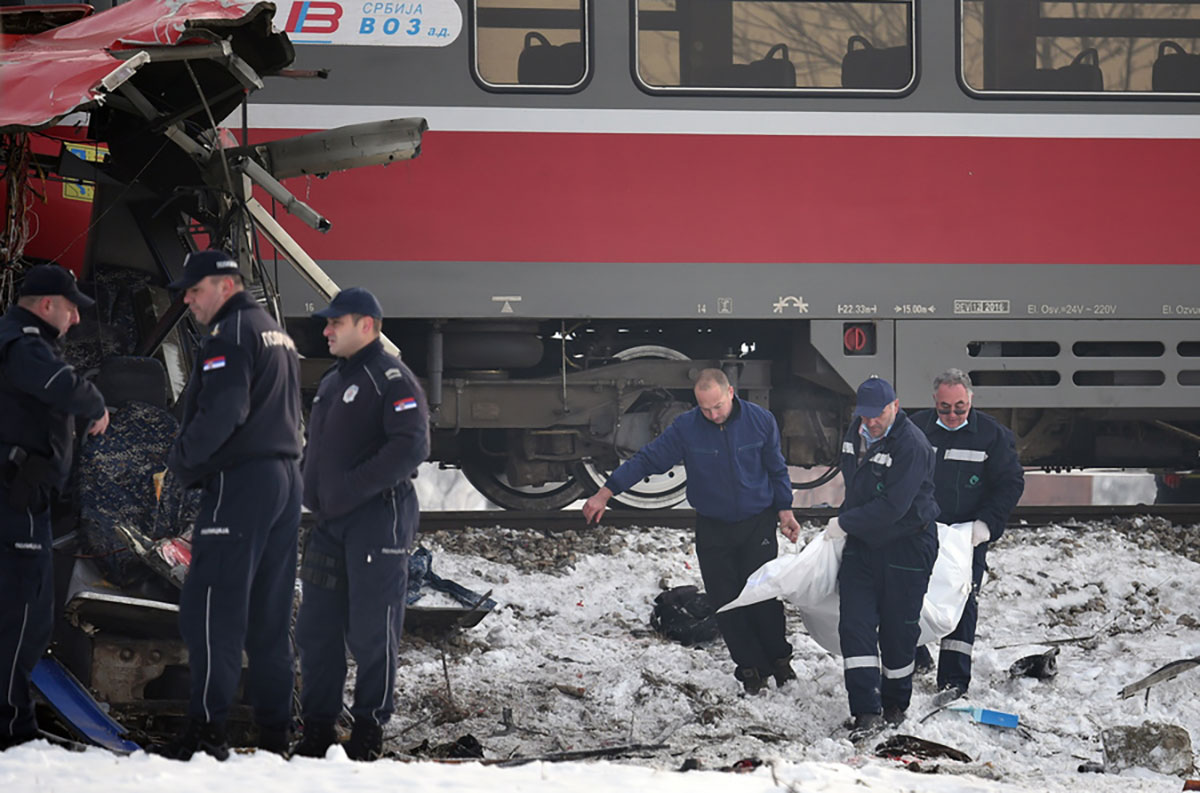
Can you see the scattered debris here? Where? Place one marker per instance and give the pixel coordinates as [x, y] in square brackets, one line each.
[466, 747]
[996, 718]
[1043, 666]
[1168, 672]
[1165, 748]
[901, 746]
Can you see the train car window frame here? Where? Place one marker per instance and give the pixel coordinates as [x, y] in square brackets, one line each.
[1083, 23]
[636, 27]
[586, 9]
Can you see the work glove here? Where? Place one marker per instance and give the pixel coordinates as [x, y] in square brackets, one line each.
[980, 533]
[834, 530]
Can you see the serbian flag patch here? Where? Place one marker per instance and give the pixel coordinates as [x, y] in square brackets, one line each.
[408, 403]
[214, 363]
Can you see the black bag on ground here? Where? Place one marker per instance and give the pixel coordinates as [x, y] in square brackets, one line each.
[888, 68]
[683, 614]
[1176, 70]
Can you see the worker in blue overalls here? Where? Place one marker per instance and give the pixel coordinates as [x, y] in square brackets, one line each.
[887, 519]
[368, 432]
[40, 399]
[978, 479]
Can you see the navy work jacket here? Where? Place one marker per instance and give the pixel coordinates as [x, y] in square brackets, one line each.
[735, 470]
[367, 432]
[978, 475]
[243, 400]
[40, 394]
[889, 494]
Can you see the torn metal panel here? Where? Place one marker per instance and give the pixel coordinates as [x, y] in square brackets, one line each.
[76, 66]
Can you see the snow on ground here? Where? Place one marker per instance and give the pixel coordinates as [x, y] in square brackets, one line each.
[568, 653]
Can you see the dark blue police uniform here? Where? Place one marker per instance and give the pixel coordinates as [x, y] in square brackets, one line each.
[40, 397]
[367, 434]
[738, 483]
[978, 476]
[239, 442]
[888, 516]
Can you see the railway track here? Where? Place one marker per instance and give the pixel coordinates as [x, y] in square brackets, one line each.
[564, 520]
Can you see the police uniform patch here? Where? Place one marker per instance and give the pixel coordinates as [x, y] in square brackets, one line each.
[349, 394]
[214, 363]
[408, 403]
[393, 374]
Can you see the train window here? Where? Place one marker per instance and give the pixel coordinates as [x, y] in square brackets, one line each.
[1080, 47]
[531, 45]
[750, 46]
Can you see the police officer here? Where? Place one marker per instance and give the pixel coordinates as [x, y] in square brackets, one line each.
[40, 399]
[887, 519]
[739, 485]
[978, 479]
[239, 442]
[367, 433]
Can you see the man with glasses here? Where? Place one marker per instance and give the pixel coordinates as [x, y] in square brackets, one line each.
[978, 479]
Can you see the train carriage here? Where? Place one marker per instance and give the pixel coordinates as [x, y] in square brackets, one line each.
[614, 194]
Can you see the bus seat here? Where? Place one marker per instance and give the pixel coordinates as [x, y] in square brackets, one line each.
[1176, 71]
[542, 63]
[868, 66]
[769, 72]
[1081, 74]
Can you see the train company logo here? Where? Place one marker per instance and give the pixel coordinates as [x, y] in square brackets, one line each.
[430, 23]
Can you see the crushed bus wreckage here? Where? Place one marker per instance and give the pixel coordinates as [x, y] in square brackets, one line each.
[120, 110]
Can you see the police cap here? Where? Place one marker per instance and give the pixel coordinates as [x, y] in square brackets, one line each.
[50, 279]
[200, 264]
[354, 300]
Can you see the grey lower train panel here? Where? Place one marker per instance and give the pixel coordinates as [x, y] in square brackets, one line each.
[1060, 364]
[776, 291]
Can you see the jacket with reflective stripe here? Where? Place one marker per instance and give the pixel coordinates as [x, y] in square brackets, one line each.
[889, 495]
[977, 475]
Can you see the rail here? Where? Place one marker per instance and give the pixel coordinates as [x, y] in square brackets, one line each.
[555, 521]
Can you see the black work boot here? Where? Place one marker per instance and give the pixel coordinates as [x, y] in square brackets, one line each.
[781, 668]
[198, 736]
[316, 739]
[275, 740]
[366, 741]
[752, 679]
[893, 715]
[865, 725]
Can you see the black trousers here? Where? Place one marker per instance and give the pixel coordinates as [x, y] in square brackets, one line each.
[239, 591]
[728, 553]
[355, 579]
[26, 610]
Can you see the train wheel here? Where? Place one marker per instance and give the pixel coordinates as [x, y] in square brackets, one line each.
[496, 487]
[655, 492]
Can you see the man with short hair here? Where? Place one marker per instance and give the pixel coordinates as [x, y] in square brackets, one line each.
[367, 434]
[887, 519]
[239, 442]
[40, 399]
[739, 485]
[978, 479]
